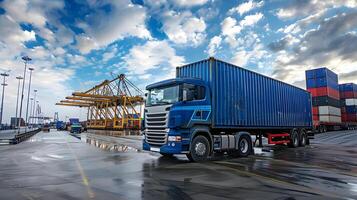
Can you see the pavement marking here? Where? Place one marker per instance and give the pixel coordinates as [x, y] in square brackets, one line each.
[293, 185]
[85, 181]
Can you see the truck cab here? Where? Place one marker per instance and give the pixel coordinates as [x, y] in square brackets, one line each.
[173, 108]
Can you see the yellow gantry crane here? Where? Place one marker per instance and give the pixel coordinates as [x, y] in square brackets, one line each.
[112, 105]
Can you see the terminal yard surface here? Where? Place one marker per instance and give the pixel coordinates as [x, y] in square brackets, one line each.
[56, 165]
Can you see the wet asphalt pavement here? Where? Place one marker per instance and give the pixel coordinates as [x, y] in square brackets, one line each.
[56, 165]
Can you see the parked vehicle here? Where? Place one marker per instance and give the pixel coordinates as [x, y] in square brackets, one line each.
[46, 128]
[76, 128]
[60, 125]
[213, 106]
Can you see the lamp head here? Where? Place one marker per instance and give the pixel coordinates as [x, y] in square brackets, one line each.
[26, 58]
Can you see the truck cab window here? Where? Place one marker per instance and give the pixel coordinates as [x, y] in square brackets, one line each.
[193, 92]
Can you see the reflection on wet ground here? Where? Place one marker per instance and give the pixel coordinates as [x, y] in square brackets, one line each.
[56, 165]
[107, 145]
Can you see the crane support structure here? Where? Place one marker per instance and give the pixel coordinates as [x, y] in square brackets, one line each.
[112, 105]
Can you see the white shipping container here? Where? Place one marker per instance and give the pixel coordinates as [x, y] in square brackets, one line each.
[329, 118]
[351, 102]
[329, 110]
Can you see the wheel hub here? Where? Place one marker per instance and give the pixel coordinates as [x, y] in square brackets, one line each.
[200, 149]
[243, 145]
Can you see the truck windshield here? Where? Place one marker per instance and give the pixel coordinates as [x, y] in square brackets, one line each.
[162, 96]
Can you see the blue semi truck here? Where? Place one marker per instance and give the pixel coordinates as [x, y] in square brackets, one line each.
[214, 106]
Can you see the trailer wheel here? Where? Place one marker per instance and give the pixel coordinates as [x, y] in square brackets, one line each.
[199, 150]
[302, 138]
[294, 138]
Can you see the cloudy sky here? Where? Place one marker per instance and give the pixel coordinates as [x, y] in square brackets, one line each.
[76, 43]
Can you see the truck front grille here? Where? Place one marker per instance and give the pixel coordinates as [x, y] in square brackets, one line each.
[156, 128]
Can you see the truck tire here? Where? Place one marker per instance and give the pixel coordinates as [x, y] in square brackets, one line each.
[199, 150]
[302, 138]
[245, 146]
[294, 138]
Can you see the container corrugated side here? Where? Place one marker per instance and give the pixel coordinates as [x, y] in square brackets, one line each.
[242, 98]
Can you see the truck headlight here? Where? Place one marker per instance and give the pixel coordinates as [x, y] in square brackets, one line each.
[143, 137]
[174, 138]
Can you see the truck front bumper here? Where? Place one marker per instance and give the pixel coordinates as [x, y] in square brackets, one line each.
[169, 148]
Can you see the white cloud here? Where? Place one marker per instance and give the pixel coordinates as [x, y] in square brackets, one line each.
[183, 28]
[151, 55]
[246, 7]
[231, 28]
[124, 20]
[189, 3]
[251, 20]
[76, 59]
[330, 42]
[108, 55]
[35, 13]
[12, 33]
[214, 45]
[241, 57]
[298, 9]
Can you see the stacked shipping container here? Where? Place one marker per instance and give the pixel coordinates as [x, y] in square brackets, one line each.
[348, 93]
[323, 85]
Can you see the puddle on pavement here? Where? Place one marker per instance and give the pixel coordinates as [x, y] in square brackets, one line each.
[107, 145]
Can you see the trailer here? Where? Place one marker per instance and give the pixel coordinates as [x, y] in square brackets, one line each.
[214, 106]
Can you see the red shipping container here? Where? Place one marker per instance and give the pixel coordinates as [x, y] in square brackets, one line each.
[315, 110]
[348, 95]
[315, 117]
[349, 117]
[324, 91]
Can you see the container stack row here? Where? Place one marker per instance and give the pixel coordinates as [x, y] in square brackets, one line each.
[322, 83]
[348, 93]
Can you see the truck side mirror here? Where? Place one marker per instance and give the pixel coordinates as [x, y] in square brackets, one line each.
[146, 94]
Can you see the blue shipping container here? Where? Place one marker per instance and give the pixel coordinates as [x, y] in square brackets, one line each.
[351, 109]
[242, 98]
[321, 73]
[348, 87]
[322, 82]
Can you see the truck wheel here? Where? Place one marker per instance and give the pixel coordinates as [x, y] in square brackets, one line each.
[244, 146]
[302, 138]
[294, 138]
[200, 149]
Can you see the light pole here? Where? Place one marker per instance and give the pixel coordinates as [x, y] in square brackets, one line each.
[31, 99]
[34, 104]
[37, 112]
[26, 60]
[28, 97]
[17, 99]
[3, 93]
